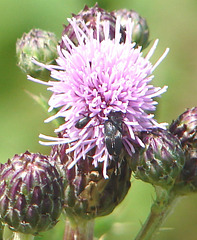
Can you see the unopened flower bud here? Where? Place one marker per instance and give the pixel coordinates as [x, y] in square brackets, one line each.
[188, 176]
[88, 16]
[39, 45]
[185, 128]
[31, 193]
[162, 159]
[88, 194]
[140, 32]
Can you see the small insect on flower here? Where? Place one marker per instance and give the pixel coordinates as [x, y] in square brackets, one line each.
[82, 122]
[113, 133]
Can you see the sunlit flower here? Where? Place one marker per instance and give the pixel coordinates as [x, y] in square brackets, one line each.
[96, 78]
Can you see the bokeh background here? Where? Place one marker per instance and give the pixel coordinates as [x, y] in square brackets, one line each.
[174, 22]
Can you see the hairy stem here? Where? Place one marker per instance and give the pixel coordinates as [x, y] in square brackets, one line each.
[83, 230]
[162, 206]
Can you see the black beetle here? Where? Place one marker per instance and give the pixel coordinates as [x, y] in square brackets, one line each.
[113, 133]
[82, 122]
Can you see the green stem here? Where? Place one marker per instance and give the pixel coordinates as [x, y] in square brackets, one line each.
[83, 230]
[7, 233]
[10, 235]
[21, 236]
[1, 230]
[162, 206]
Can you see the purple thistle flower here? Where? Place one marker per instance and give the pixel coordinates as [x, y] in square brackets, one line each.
[98, 77]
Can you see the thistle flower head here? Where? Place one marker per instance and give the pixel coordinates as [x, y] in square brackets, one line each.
[31, 192]
[93, 80]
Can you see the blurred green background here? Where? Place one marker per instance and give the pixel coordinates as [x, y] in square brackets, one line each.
[174, 22]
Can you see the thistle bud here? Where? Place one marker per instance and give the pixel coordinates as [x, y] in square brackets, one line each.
[31, 193]
[188, 177]
[39, 45]
[88, 194]
[185, 128]
[162, 159]
[140, 32]
[89, 16]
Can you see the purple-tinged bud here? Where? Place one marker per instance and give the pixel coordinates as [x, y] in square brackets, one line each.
[88, 194]
[140, 32]
[39, 45]
[31, 193]
[162, 159]
[187, 181]
[185, 128]
[89, 16]
[189, 172]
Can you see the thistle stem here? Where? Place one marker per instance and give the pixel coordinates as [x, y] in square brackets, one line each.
[1, 230]
[83, 230]
[22, 236]
[7, 233]
[162, 206]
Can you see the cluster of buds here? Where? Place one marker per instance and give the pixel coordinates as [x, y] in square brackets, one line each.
[41, 45]
[170, 156]
[32, 189]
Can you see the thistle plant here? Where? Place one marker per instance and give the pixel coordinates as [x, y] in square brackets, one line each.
[103, 103]
[102, 89]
